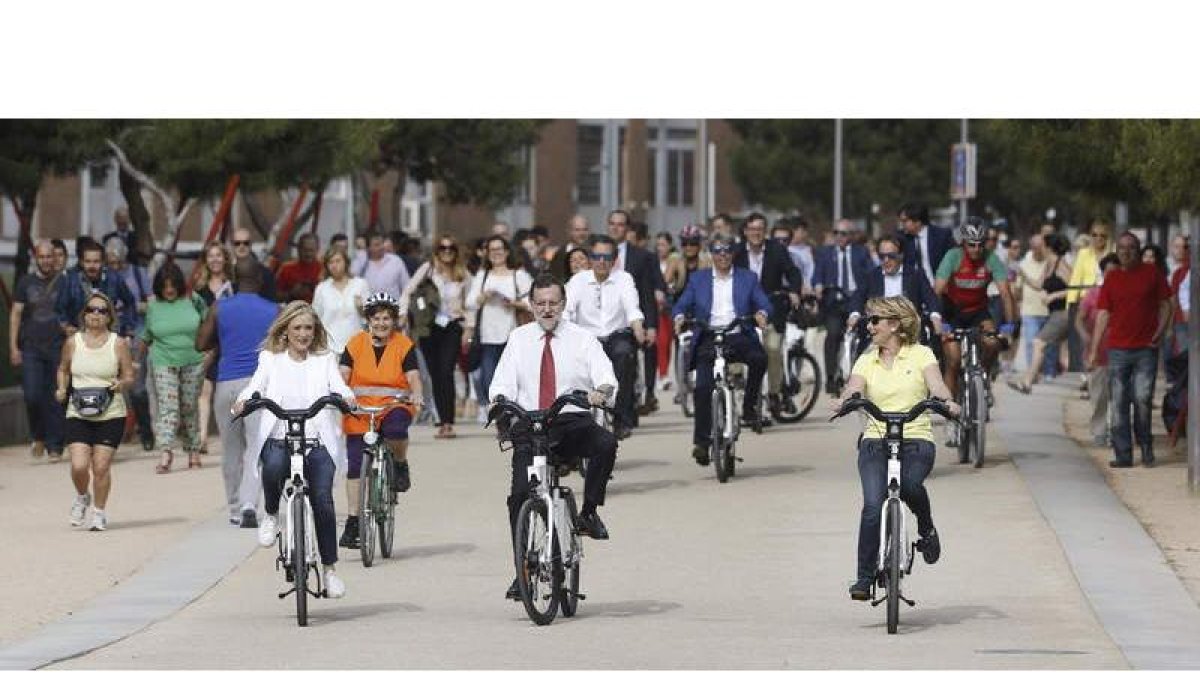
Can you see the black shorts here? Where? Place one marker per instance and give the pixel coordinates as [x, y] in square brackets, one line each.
[87, 432]
[968, 319]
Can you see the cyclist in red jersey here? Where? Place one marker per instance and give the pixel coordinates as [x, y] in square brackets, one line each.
[962, 281]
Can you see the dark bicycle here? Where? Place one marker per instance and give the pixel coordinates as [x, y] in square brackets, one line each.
[974, 392]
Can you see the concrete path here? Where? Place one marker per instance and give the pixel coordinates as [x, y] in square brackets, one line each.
[1140, 602]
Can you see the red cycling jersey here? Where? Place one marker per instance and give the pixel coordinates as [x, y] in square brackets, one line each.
[967, 280]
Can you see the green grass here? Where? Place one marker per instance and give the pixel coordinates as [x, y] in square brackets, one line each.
[9, 376]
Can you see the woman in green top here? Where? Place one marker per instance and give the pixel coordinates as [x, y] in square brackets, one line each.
[172, 320]
[895, 374]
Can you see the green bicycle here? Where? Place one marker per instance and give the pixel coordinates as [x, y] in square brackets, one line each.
[376, 500]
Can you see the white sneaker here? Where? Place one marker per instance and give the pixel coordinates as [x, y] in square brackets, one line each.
[334, 588]
[79, 509]
[482, 417]
[99, 521]
[268, 529]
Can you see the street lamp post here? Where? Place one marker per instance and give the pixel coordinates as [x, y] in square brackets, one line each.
[837, 170]
[962, 203]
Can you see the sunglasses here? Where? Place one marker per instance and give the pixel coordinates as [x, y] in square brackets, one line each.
[889, 256]
[875, 319]
[242, 242]
[444, 249]
[720, 250]
[842, 233]
[96, 310]
[609, 257]
[783, 240]
[973, 244]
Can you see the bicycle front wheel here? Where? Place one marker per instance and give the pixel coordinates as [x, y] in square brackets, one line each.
[720, 446]
[894, 554]
[978, 395]
[367, 505]
[683, 385]
[966, 421]
[300, 560]
[538, 582]
[569, 593]
[385, 507]
[804, 387]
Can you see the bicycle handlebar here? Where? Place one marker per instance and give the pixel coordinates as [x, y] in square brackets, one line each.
[502, 406]
[256, 401]
[398, 399]
[857, 402]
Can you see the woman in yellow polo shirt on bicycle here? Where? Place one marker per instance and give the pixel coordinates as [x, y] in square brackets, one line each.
[895, 373]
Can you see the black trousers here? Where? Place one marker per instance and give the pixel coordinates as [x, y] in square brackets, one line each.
[622, 350]
[441, 349]
[835, 330]
[650, 369]
[738, 348]
[571, 435]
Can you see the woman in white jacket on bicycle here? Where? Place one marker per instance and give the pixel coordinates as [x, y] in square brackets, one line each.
[295, 368]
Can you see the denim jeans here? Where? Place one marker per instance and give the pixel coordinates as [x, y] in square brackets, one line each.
[1132, 372]
[1030, 325]
[489, 359]
[318, 471]
[916, 461]
[46, 415]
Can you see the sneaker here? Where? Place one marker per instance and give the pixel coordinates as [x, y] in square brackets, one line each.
[930, 546]
[38, 449]
[700, 454]
[402, 481]
[334, 588]
[482, 416]
[513, 592]
[267, 531]
[99, 521]
[350, 534]
[590, 525]
[79, 509]
[861, 590]
[249, 519]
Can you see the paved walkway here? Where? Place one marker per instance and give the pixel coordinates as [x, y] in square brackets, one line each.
[1141, 603]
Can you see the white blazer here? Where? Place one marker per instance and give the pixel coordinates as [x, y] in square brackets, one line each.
[270, 387]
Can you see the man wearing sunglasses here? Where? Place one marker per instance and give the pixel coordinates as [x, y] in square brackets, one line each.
[841, 269]
[604, 302]
[962, 283]
[642, 265]
[719, 298]
[924, 246]
[241, 244]
[889, 280]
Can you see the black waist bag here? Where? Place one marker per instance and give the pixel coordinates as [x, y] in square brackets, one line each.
[91, 401]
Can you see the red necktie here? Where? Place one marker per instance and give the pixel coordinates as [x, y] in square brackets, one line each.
[546, 385]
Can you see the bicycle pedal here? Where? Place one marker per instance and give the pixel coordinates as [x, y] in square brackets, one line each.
[911, 603]
[580, 596]
[876, 603]
[738, 458]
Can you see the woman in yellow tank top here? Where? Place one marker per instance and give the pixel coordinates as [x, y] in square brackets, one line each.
[96, 367]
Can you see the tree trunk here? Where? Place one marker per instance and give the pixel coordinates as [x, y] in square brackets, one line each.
[257, 220]
[139, 216]
[24, 205]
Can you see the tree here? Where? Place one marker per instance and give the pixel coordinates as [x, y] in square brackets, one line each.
[1164, 156]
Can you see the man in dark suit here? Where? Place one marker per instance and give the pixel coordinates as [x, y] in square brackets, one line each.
[841, 268]
[924, 245]
[781, 281]
[893, 278]
[578, 232]
[642, 265]
[718, 298]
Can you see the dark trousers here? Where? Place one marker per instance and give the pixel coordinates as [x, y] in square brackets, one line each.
[571, 435]
[318, 471]
[1132, 373]
[739, 348]
[916, 461]
[46, 415]
[649, 370]
[835, 330]
[441, 349]
[139, 398]
[622, 350]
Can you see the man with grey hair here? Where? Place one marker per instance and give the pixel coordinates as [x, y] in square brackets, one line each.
[841, 268]
[138, 282]
[123, 233]
[35, 345]
[578, 232]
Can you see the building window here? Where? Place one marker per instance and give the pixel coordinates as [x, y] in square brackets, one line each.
[590, 163]
[680, 174]
[524, 191]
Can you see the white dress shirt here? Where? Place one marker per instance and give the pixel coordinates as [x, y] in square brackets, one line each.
[619, 263]
[893, 285]
[756, 260]
[579, 363]
[723, 311]
[1185, 293]
[602, 308]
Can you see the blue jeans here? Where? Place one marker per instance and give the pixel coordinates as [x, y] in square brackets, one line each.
[318, 472]
[489, 359]
[46, 415]
[1132, 373]
[1030, 325]
[916, 461]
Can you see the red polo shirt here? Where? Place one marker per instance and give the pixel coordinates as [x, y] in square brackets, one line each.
[1132, 298]
[297, 280]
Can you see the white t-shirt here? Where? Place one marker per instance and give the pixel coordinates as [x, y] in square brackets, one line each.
[497, 320]
[1033, 299]
[338, 312]
[293, 376]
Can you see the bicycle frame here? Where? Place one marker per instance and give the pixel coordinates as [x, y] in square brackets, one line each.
[893, 482]
[297, 488]
[722, 381]
[560, 504]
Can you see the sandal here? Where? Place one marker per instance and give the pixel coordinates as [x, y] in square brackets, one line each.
[448, 433]
[165, 467]
[194, 460]
[1020, 386]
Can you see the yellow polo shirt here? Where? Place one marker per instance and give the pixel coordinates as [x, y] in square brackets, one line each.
[898, 388]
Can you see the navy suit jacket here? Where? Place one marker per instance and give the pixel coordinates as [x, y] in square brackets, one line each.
[825, 272]
[941, 240]
[697, 298]
[916, 289]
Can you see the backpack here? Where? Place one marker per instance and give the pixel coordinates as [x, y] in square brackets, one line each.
[423, 307]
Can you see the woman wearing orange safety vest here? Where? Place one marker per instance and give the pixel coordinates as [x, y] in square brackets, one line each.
[378, 364]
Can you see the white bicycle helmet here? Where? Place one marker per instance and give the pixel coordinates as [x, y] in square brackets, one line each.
[380, 299]
[973, 230]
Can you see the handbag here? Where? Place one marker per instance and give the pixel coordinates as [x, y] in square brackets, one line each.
[474, 346]
[523, 316]
[91, 401]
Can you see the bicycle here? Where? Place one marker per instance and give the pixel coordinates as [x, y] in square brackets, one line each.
[377, 501]
[896, 553]
[801, 376]
[685, 378]
[547, 546]
[729, 386]
[973, 395]
[297, 530]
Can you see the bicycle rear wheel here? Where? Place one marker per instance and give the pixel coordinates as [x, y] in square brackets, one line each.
[963, 429]
[539, 585]
[300, 560]
[720, 446]
[802, 390]
[367, 505]
[569, 593]
[894, 552]
[683, 384]
[385, 508]
[978, 394]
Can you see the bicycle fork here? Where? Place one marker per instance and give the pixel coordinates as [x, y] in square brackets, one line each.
[293, 490]
[906, 550]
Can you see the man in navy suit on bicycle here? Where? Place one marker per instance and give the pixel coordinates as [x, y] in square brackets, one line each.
[718, 298]
[841, 269]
